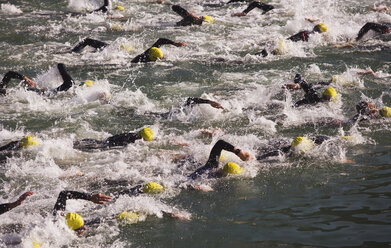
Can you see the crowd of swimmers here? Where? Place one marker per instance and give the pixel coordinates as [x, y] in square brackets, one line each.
[365, 111]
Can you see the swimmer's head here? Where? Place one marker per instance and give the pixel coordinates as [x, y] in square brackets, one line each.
[302, 144]
[329, 94]
[207, 19]
[87, 83]
[385, 112]
[298, 78]
[146, 133]
[153, 188]
[232, 168]
[155, 53]
[27, 142]
[366, 108]
[320, 28]
[75, 222]
[128, 217]
[119, 7]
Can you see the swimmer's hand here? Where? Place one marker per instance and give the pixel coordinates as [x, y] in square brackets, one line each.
[312, 20]
[177, 216]
[29, 82]
[203, 188]
[291, 86]
[20, 200]
[344, 45]
[180, 44]
[239, 14]
[100, 198]
[245, 156]
[215, 105]
[380, 9]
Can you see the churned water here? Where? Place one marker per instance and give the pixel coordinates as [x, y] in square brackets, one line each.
[338, 195]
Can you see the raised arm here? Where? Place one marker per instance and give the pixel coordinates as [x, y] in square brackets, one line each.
[163, 41]
[104, 8]
[380, 28]
[195, 100]
[12, 74]
[263, 6]
[8, 206]
[65, 195]
[68, 80]
[122, 139]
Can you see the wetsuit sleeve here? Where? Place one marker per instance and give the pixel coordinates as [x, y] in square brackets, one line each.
[130, 192]
[141, 58]
[162, 41]
[4, 208]
[310, 97]
[104, 7]
[263, 6]
[234, 1]
[380, 28]
[180, 11]
[214, 156]
[8, 76]
[301, 36]
[89, 42]
[122, 139]
[14, 145]
[195, 100]
[65, 195]
[284, 149]
[68, 81]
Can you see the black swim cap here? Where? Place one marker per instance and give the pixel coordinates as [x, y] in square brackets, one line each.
[297, 79]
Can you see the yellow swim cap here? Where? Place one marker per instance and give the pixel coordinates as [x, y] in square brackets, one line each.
[207, 19]
[36, 244]
[28, 141]
[302, 144]
[116, 26]
[322, 27]
[74, 221]
[128, 217]
[152, 188]
[119, 7]
[385, 112]
[87, 83]
[330, 92]
[146, 133]
[155, 53]
[232, 168]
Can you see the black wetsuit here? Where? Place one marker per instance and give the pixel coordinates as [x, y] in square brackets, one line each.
[4, 208]
[310, 96]
[377, 27]
[144, 56]
[89, 42]
[12, 146]
[104, 7]
[188, 19]
[67, 81]
[263, 6]
[213, 161]
[116, 140]
[64, 195]
[282, 147]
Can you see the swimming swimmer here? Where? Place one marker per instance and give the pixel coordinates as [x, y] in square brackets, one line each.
[75, 221]
[113, 141]
[8, 206]
[376, 27]
[263, 6]
[67, 81]
[154, 53]
[189, 18]
[211, 166]
[25, 142]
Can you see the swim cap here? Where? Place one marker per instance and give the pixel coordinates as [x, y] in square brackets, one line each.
[155, 53]
[152, 188]
[207, 19]
[87, 83]
[298, 78]
[28, 141]
[128, 217]
[385, 112]
[146, 133]
[36, 244]
[348, 138]
[232, 168]
[330, 92]
[74, 221]
[322, 27]
[119, 7]
[302, 144]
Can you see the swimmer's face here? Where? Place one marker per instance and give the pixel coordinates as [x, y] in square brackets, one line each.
[80, 231]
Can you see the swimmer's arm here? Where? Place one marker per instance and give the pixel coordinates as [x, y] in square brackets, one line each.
[195, 100]
[291, 86]
[122, 139]
[103, 8]
[65, 195]
[348, 44]
[370, 26]
[8, 76]
[29, 82]
[380, 9]
[265, 7]
[8, 206]
[176, 215]
[312, 20]
[234, 1]
[164, 41]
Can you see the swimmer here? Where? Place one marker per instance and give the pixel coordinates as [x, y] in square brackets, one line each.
[24, 143]
[376, 27]
[154, 53]
[67, 81]
[263, 6]
[114, 141]
[74, 220]
[8, 206]
[189, 18]
[311, 96]
[368, 111]
[301, 36]
[211, 166]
